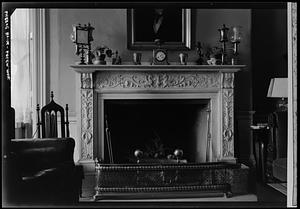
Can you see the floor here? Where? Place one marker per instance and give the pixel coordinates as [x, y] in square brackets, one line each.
[268, 195]
[262, 196]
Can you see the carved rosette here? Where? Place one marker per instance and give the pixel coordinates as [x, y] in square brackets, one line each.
[228, 80]
[86, 80]
[227, 117]
[153, 80]
[86, 116]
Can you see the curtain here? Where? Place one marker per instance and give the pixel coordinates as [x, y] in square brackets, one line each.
[20, 73]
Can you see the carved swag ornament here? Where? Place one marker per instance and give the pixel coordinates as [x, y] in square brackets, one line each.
[156, 80]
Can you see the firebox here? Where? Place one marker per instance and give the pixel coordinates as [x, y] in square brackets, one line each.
[157, 127]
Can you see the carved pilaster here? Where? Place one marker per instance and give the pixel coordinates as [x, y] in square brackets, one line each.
[227, 132]
[154, 80]
[227, 116]
[86, 116]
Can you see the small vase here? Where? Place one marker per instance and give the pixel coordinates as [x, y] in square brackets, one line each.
[96, 61]
[99, 60]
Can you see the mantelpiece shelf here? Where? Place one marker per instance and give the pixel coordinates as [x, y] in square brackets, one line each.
[204, 68]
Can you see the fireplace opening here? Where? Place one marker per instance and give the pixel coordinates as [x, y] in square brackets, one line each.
[157, 127]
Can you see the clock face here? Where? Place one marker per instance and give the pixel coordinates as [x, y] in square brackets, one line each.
[160, 56]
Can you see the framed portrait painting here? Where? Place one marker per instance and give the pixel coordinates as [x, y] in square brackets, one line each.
[171, 26]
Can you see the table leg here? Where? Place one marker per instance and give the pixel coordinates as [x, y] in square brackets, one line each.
[262, 160]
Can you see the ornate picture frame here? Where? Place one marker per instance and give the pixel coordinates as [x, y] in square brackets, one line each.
[144, 25]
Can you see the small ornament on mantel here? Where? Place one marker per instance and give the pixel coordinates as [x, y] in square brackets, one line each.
[200, 53]
[100, 53]
[116, 59]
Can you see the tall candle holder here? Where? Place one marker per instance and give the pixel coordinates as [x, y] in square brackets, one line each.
[223, 39]
[82, 37]
[235, 38]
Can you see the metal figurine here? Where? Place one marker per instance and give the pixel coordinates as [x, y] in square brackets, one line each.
[200, 53]
[116, 59]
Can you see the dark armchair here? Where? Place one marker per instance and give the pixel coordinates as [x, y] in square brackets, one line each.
[46, 171]
[44, 167]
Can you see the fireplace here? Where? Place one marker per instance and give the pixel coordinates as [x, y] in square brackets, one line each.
[158, 127]
[194, 90]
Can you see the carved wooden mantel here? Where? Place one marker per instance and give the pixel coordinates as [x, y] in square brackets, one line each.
[157, 80]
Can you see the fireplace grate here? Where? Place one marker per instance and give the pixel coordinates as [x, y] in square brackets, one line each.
[117, 179]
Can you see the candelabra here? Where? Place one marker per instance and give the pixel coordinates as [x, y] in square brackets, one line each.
[82, 37]
[223, 39]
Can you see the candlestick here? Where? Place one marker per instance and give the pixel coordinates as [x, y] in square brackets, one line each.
[223, 39]
[235, 38]
[82, 37]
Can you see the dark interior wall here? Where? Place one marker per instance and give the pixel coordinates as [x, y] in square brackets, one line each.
[208, 21]
[269, 54]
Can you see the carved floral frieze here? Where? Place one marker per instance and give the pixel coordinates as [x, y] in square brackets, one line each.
[133, 80]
